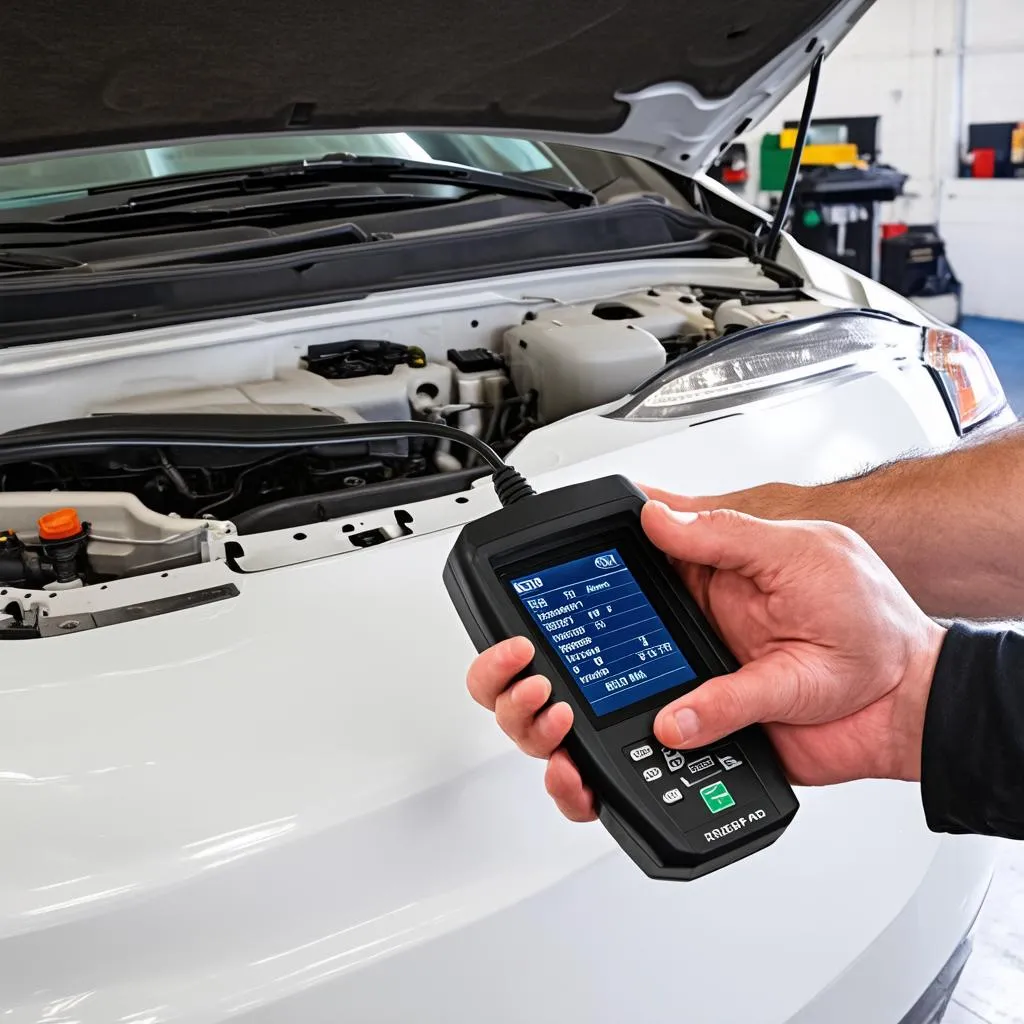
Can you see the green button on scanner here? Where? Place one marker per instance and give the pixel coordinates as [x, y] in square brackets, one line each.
[717, 797]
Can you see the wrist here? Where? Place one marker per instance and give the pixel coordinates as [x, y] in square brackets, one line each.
[830, 503]
[911, 703]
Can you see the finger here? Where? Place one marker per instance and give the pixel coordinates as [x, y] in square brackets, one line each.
[492, 671]
[723, 539]
[537, 733]
[564, 785]
[765, 690]
[516, 708]
[681, 502]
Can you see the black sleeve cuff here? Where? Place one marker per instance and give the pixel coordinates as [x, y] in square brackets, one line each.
[972, 756]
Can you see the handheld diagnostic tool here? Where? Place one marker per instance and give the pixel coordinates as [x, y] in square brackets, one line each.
[618, 635]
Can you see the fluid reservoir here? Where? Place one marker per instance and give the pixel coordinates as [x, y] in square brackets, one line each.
[578, 366]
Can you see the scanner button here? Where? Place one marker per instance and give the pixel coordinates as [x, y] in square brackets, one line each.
[673, 759]
[642, 752]
[728, 758]
[652, 774]
[702, 764]
[717, 797]
[672, 796]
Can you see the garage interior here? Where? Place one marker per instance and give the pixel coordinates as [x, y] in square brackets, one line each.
[912, 175]
[940, 84]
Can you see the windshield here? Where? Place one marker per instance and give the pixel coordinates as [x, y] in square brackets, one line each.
[31, 181]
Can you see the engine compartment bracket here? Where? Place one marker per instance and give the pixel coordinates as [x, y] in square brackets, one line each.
[36, 627]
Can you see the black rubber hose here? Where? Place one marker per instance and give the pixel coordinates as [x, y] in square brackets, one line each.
[90, 437]
[508, 484]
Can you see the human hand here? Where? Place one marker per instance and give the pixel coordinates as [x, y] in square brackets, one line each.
[837, 659]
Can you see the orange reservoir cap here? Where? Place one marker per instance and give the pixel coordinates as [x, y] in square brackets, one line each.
[59, 525]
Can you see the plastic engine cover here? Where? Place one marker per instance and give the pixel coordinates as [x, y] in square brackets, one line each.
[373, 397]
[578, 366]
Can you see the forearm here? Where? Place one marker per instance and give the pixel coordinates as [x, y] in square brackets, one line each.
[950, 525]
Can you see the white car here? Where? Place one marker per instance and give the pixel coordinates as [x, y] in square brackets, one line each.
[240, 776]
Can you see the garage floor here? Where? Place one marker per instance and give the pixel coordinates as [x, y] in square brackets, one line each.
[1003, 340]
[992, 987]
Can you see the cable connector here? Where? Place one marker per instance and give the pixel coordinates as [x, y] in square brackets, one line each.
[510, 486]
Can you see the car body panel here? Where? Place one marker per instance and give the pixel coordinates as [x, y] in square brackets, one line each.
[285, 806]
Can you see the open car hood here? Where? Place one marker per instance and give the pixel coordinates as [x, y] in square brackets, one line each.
[667, 80]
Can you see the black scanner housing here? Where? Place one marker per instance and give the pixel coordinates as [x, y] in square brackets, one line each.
[678, 842]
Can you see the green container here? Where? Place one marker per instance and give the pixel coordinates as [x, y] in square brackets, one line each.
[774, 164]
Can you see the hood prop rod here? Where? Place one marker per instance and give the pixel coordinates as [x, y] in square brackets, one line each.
[771, 245]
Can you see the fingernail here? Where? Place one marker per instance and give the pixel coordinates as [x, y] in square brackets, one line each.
[687, 723]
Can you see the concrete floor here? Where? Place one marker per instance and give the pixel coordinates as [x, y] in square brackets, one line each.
[1003, 340]
[991, 990]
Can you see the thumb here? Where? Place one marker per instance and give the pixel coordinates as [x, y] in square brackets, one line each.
[723, 539]
[765, 690]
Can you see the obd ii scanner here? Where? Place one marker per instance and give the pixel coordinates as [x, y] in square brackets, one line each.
[618, 635]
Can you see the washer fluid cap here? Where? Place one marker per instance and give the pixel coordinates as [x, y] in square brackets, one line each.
[59, 525]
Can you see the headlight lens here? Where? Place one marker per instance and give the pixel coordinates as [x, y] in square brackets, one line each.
[966, 373]
[769, 358]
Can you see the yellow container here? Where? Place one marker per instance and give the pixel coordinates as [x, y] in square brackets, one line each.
[834, 153]
[822, 153]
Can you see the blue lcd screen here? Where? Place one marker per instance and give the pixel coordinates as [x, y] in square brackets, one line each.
[594, 615]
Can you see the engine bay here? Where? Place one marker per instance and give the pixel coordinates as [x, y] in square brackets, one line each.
[142, 507]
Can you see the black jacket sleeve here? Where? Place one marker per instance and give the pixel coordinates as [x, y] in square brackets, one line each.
[972, 759]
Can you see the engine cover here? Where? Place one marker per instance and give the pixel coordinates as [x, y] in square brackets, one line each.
[373, 397]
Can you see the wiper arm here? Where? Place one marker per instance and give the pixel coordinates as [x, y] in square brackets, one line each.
[15, 262]
[202, 211]
[273, 179]
[292, 244]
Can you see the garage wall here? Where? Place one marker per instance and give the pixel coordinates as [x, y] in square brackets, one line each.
[983, 220]
[901, 62]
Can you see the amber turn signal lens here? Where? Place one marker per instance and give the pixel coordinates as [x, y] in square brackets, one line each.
[973, 381]
[59, 525]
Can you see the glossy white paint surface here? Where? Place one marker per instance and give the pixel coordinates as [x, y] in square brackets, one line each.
[284, 807]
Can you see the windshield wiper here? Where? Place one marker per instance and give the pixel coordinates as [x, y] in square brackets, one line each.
[197, 213]
[295, 243]
[339, 169]
[29, 261]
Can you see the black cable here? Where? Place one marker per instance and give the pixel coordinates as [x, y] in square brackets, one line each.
[239, 485]
[508, 484]
[771, 245]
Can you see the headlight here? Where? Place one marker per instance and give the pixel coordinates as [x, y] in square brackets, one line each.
[770, 358]
[966, 374]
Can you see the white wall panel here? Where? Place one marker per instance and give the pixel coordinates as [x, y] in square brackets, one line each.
[983, 221]
[994, 84]
[983, 224]
[995, 23]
